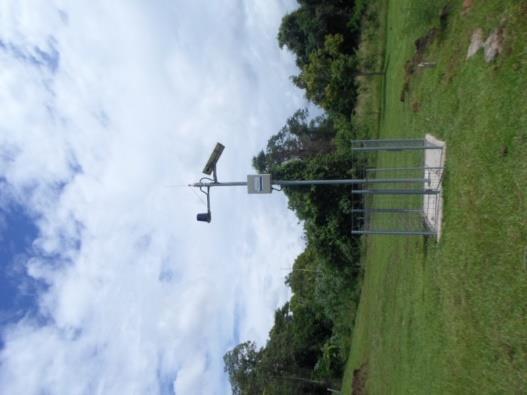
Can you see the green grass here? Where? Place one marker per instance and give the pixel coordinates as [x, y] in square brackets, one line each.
[451, 317]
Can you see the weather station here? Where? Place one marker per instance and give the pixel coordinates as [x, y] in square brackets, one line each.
[265, 184]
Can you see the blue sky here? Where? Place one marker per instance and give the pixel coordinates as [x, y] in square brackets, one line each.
[17, 290]
[108, 284]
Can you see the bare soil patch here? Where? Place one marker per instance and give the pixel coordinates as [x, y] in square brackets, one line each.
[418, 61]
[360, 377]
[421, 45]
[467, 6]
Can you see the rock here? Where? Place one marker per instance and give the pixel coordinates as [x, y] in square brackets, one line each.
[493, 45]
[476, 42]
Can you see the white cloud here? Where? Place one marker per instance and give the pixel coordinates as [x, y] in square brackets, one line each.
[141, 298]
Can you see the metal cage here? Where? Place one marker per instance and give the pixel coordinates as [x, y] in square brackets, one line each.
[395, 207]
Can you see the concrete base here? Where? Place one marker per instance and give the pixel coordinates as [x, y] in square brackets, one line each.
[433, 205]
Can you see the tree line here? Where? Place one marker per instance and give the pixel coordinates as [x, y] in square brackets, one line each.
[311, 336]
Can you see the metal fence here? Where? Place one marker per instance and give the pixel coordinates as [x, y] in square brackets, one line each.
[395, 207]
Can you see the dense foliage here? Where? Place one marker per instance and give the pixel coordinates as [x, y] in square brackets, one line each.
[324, 34]
[309, 342]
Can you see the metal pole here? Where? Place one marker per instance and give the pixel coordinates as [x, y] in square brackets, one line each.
[395, 192]
[389, 140]
[288, 183]
[401, 148]
[393, 232]
[219, 184]
[381, 169]
[387, 210]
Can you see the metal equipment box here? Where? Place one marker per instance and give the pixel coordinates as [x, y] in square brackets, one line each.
[259, 183]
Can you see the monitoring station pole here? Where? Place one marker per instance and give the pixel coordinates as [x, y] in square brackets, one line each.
[263, 183]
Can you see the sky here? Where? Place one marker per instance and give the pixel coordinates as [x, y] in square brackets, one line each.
[108, 284]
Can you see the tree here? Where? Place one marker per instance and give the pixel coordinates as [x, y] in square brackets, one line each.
[300, 138]
[325, 210]
[280, 368]
[304, 30]
[241, 365]
[328, 77]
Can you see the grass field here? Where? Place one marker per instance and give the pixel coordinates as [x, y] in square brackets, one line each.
[451, 317]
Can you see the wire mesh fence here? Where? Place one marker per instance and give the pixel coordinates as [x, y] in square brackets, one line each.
[394, 206]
